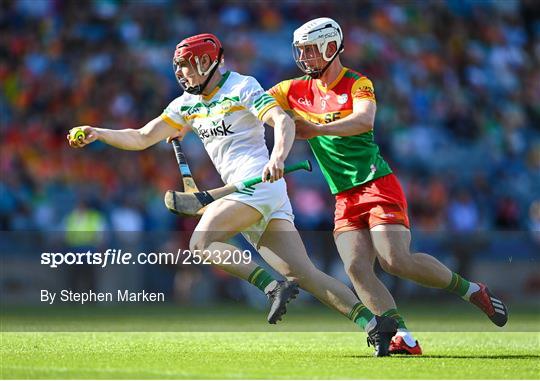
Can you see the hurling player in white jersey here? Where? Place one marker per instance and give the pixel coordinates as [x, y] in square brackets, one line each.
[227, 112]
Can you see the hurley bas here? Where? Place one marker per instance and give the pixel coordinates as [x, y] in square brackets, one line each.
[121, 296]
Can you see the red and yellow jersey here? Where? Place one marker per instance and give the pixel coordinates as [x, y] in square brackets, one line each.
[307, 98]
[346, 161]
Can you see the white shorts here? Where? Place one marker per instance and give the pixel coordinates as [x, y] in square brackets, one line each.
[271, 200]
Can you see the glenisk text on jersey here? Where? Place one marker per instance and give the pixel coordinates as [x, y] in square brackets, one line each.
[219, 130]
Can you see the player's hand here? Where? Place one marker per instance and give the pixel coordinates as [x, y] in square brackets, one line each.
[273, 170]
[179, 135]
[306, 129]
[90, 135]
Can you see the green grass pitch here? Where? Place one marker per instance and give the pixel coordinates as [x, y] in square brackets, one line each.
[236, 343]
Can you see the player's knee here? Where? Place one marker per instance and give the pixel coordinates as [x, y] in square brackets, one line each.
[395, 264]
[200, 241]
[355, 267]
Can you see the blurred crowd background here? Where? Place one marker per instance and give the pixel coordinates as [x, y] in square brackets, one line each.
[457, 84]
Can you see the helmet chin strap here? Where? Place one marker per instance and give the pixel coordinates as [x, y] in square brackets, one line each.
[319, 73]
[198, 89]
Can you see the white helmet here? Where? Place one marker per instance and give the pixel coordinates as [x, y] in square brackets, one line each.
[318, 32]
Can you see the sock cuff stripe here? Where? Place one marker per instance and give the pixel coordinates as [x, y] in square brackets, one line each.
[255, 274]
[391, 312]
[351, 313]
[355, 312]
[359, 307]
[459, 286]
[258, 275]
[453, 283]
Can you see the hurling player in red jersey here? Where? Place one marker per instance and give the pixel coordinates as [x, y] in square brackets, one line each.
[334, 108]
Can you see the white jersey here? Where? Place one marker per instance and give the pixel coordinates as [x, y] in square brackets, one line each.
[228, 121]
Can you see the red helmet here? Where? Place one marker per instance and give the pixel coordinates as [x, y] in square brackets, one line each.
[191, 50]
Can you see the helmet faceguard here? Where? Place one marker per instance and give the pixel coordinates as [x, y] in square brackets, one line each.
[190, 51]
[310, 43]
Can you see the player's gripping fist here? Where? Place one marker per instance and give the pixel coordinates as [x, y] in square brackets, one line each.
[273, 170]
[306, 129]
[80, 136]
[179, 136]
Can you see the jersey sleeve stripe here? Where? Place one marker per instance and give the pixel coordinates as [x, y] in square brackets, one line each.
[167, 119]
[265, 98]
[262, 105]
[351, 74]
[266, 108]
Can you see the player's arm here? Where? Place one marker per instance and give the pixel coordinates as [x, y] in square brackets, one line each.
[361, 120]
[284, 132]
[129, 139]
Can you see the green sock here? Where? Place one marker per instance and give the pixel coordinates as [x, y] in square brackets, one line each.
[458, 285]
[260, 278]
[393, 313]
[361, 315]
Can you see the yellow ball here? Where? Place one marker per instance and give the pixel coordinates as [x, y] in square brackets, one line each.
[77, 135]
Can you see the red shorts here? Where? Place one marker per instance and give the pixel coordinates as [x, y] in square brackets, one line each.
[377, 202]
